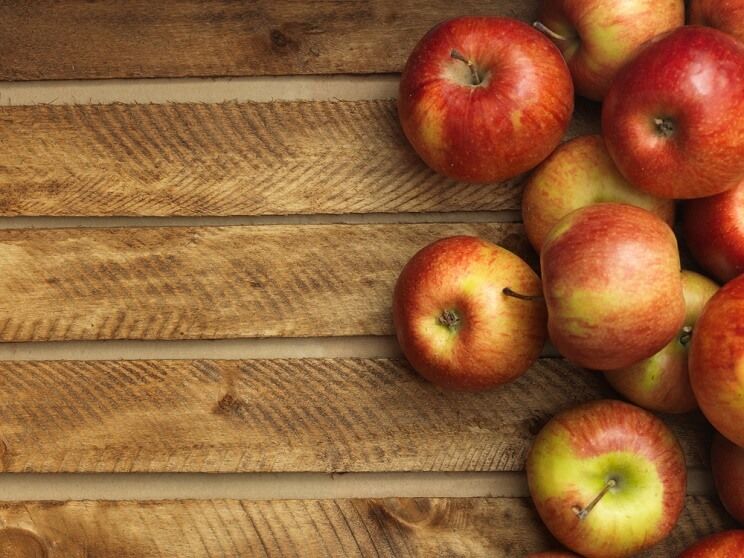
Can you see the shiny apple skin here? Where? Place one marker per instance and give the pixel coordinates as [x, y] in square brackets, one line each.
[603, 35]
[612, 284]
[727, 463]
[499, 129]
[713, 228]
[717, 361]
[575, 455]
[661, 383]
[728, 544]
[692, 79]
[498, 336]
[580, 172]
[724, 15]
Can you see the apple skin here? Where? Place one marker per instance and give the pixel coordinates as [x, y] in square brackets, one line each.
[724, 15]
[714, 230]
[579, 173]
[553, 554]
[612, 284]
[579, 451]
[727, 463]
[600, 36]
[661, 383]
[496, 338]
[673, 120]
[728, 544]
[717, 361]
[496, 130]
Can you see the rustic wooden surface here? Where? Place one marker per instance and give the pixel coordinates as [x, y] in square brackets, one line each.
[139, 38]
[395, 528]
[321, 415]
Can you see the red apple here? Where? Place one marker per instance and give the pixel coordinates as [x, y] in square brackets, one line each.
[727, 462]
[724, 15]
[729, 544]
[673, 119]
[579, 173]
[661, 382]
[611, 277]
[714, 230]
[483, 99]
[608, 479]
[597, 37]
[717, 361]
[460, 319]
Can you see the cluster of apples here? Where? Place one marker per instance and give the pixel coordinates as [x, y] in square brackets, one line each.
[486, 99]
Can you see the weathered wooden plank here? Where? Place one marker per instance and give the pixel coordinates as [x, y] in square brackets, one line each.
[228, 159]
[211, 282]
[321, 415]
[139, 38]
[396, 528]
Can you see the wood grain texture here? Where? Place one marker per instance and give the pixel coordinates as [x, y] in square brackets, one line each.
[327, 415]
[228, 159]
[395, 528]
[211, 282]
[45, 39]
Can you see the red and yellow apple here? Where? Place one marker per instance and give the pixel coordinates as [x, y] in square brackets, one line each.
[728, 544]
[673, 120]
[608, 479]
[483, 99]
[714, 230]
[727, 463]
[724, 15]
[612, 284]
[597, 37]
[717, 361]
[662, 382]
[579, 173]
[469, 314]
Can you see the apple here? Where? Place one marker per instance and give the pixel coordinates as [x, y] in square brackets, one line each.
[673, 120]
[579, 173]
[728, 544]
[714, 230]
[727, 463]
[612, 284]
[597, 37]
[607, 478]
[724, 15]
[717, 361]
[468, 314]
[661, 382]
[552, 554]
[483, 99]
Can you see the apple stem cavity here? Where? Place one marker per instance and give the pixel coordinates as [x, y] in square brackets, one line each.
[514, 294]
[664, 127]
[686, 336]
[474, 76]
[582, 513]
[449, 319]
[540, 26]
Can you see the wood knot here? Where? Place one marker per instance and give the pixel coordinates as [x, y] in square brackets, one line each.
[231, 406]
[20, 543]
[278, 38]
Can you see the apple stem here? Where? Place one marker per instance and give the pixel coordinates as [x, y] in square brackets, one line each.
[514, 294]
[540, 26]
[473, 70]
[686, 336]
[582, 513]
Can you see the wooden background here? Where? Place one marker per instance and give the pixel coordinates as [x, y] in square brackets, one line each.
[202, 285]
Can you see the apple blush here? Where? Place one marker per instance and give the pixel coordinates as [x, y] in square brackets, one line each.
[727, 463]
[728, 544]
[724, 15]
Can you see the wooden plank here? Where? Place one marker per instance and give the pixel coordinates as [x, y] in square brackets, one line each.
[228, 159]
[139, 38]
[396, 528]
[211, 282]
[327, 415]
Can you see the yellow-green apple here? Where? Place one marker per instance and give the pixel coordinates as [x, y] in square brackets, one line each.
[673, 120]
[483, 99]
[714, 230]
[597, 37]
[661, 382]
[727, 463]
[717, 361]
[607, 478]
[469, 314]
[725, 15]
[579, 173]
[612, 283]
[728, 544]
